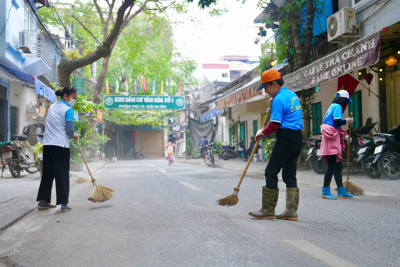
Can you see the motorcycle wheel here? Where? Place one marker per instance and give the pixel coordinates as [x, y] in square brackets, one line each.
[225, 155]
[385, 166]
[32, 170]
[371, 170]
[15, 170]
[318, 166]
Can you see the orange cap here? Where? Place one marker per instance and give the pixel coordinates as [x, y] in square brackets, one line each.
[269, 76]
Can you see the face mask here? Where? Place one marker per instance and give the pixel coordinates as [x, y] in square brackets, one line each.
[72, 102]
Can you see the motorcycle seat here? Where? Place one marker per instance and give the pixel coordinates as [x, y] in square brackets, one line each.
[2, 144]
[20, 137]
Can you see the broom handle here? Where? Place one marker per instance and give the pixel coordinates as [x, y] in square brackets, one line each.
[84, 160]
[348, 151]
[255, 147]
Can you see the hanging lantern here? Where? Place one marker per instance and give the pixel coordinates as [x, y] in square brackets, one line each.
[368, 78]
[391, 61]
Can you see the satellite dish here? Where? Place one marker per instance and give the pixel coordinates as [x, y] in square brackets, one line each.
[332, 26]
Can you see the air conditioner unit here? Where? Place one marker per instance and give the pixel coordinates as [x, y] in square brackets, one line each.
[342, 24]
[24, 43]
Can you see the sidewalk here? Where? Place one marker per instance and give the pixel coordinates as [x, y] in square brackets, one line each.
[372, 187]
[18, 196]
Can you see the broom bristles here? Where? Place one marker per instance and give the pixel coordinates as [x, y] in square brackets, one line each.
[100, 193]
[353, 189]
[230, 200]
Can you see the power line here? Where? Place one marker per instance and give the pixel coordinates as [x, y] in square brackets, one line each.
[8, 16]
[65, 28]
[44, 27]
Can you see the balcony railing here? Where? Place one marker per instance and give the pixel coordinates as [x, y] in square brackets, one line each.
[39, 44]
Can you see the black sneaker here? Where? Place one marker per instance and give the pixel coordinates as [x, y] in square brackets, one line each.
[43, 205]
[65, 207]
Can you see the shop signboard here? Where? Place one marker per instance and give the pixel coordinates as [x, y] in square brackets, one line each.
[355, 56]
[143, 102]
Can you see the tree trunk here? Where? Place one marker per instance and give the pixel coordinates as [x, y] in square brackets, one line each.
[100, 80]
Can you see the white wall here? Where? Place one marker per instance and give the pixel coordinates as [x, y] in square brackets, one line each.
[21, 97]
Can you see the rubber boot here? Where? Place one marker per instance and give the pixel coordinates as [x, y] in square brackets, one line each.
[269, 200]
[326, 193]
[292, 203]
[342, 193]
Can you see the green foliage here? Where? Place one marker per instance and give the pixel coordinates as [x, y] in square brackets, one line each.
[189, 144]
[269, 145]
[217, 148]
[74, 152]
[85, 106]
[265, 63]
[195, 153]
[138, 117]
[204, 3]
[93, 141]
[82, 105]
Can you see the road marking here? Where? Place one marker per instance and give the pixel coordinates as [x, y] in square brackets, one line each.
[163, 171]
[194, 188]
[318, 253]
[151, 165]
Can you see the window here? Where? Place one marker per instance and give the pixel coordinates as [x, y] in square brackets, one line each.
[316, 118]
[255, 128]
[243, 137]
[224, 75]
[355, 108]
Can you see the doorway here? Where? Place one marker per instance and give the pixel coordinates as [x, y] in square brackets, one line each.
[3, 114]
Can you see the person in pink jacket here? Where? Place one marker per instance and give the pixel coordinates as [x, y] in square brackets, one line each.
[332, 144]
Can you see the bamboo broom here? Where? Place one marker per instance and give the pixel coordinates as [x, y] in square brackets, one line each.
[233, 199]
[351, 187]
[99, 193]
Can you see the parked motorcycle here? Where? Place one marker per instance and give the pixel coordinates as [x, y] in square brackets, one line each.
[317, 163]
[135, 155]
[356, 145]
[387, 152]
[13, 155]
[228, 152]
[366, 157]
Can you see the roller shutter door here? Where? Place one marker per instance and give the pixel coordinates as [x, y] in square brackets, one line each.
[151, 142]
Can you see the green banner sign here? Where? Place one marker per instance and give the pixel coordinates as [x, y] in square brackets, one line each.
[143, 102]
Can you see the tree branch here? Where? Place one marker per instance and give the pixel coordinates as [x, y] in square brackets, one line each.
[110, 15]
[87, 29]
[99, 11]
[66, 67]
[126, 22]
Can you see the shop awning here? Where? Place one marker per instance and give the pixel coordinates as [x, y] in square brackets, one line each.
[355, 56]
[36, 66]
[40, 88]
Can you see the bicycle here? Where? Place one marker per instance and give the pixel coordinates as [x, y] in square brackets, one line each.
[208, 155]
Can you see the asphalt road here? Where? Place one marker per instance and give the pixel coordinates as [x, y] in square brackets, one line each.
[164, 215]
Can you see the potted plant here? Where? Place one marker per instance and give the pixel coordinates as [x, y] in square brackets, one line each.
[217, 149]
[76, 162]
[195, 153]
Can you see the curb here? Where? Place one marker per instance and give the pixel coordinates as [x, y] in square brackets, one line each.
[24, 202]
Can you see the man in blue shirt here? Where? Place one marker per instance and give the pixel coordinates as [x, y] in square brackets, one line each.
[202, 143]
[287, 121]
